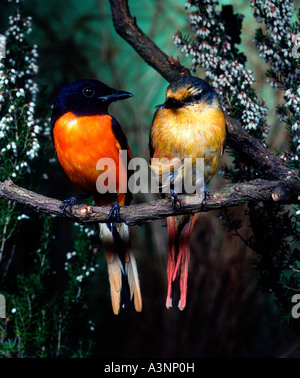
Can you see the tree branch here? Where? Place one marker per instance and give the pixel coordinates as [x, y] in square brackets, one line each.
[281, 192]
[127, 28]
[253, 151]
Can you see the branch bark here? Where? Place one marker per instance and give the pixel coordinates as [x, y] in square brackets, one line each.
[281, 192]
[128, 29]
[253, 151]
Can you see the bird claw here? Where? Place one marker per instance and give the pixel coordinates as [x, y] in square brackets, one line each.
[70, 202]
[175, 199]
[114, 214]
[206, 195]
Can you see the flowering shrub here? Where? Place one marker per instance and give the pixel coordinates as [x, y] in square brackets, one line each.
[19, 130]
[214, 50]
[39, 319]
[275, 46]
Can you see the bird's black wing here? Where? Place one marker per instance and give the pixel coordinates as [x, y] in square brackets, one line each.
[122, 139]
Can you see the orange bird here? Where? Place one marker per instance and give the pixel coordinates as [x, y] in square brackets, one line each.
[83, 133]
[190, 124]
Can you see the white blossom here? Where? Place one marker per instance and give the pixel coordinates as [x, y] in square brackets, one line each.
[230, 78]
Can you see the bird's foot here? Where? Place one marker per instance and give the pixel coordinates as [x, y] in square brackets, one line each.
[70, 202]
[175, 198]
[205, 195]
[114, 214]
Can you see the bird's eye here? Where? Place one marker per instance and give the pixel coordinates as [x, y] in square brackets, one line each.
[88, 92]
[197, 96]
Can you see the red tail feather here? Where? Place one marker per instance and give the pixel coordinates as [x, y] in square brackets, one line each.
[171, 222]
[182, 257]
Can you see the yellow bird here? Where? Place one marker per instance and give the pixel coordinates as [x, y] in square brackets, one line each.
[190, 124]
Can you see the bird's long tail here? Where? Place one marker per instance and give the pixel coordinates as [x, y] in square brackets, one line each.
[179, 233]
[122, 269]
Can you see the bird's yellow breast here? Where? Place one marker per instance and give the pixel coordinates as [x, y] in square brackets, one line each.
[195, 131]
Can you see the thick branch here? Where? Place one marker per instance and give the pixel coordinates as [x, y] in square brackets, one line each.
[127, 28]
[250, 149]
[253, 151]
[284, 191]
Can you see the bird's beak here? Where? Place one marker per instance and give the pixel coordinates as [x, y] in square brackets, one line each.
[172, 103]
[115, 96]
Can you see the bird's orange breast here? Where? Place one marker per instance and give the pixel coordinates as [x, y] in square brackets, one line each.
[80, 142]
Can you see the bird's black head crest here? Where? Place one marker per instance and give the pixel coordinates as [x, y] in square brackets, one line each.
[85, 97]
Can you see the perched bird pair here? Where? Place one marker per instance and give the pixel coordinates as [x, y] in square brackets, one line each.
[190, 124]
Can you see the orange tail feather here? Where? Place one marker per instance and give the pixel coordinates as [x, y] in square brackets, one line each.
[131, 269]
[123, 275]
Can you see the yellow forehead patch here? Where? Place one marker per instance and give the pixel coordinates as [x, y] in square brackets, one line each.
[182, 93]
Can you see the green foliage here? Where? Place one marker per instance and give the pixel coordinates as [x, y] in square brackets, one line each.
[278, 246]
[18, 142]
[41, 320]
